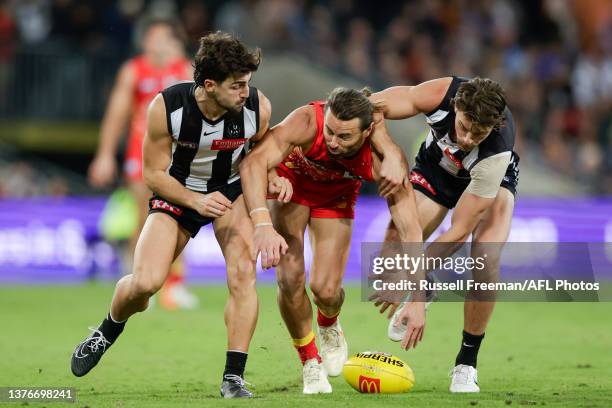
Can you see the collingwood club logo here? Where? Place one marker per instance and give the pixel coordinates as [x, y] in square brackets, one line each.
[233, 130]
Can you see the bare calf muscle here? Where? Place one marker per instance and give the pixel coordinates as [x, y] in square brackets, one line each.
[335, 134]
[466, 163]
[189, 195]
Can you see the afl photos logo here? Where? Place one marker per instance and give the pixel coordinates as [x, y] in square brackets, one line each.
[369, 385]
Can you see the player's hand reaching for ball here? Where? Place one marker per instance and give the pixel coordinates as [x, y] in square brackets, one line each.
[212, 205]
[282, 188]
[413, 314]
[384, 306]
[269, 243]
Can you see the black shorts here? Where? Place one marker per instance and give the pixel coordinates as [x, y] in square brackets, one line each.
[188, 218]
[446, 189]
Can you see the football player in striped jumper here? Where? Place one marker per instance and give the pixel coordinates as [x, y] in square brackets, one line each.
[197, 134]
[467, 163]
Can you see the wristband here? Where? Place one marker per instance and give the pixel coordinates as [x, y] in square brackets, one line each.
[258, 209]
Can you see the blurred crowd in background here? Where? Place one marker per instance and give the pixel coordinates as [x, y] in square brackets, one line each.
[18, 178]
[553, 57]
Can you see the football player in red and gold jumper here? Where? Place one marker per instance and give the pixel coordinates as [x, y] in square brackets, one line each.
[325, 149]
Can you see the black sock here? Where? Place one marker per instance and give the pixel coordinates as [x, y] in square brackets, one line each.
[469, 349]
[111, 329]
[235, 363]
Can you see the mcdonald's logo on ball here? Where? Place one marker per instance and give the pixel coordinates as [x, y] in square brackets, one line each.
[373, 372]
[369, 385]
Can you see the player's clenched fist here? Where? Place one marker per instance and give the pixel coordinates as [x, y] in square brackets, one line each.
[212, 205]
[393, 176]
[270, 244]
[281, 188]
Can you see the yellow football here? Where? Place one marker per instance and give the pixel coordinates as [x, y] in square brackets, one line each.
[376, 372]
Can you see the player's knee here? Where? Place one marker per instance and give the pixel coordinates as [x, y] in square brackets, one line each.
[488, 255]
[241, 287]
[292, 284]
[241, 277]
[143, 287]
[124, 282]
[294, 258]
[325, 294]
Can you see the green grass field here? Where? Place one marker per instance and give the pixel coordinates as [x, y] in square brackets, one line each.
[554, 354]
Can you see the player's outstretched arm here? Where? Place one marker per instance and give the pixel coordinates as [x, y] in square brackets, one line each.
[157, 155]
[466, 217]
[118, 111]
[486, 176]
[403, 209]
[402, 102]
[295, 130]
[402, 206]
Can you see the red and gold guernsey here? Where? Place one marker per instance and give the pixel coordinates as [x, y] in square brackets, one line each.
[149, 81]
[327, 184]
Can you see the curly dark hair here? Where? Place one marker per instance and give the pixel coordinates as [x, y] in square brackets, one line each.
[483, 101]
[221, 55]
[347, 104]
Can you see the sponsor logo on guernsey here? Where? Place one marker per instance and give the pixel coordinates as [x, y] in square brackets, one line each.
[158, 204]
[417, 178]
[227, 144]
[455, 160]
[188, 145]
[369, 385]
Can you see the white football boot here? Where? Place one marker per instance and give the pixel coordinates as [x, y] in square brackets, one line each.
[464, 378]
[315, 378]
[334, 350]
